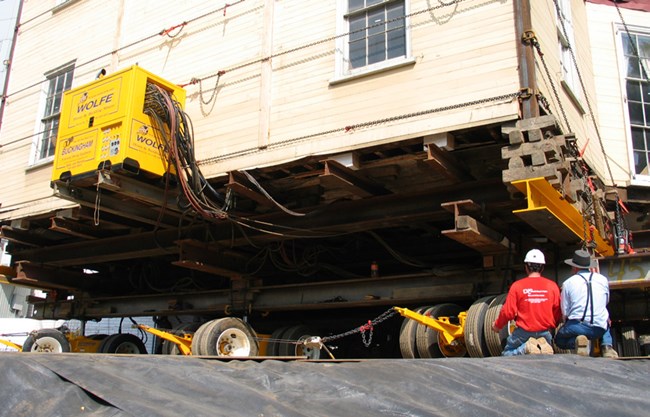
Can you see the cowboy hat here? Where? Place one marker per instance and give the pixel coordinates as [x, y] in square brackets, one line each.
[581, 260]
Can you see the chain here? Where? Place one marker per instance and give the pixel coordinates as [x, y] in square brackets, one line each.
[362, 329]
[538, 48]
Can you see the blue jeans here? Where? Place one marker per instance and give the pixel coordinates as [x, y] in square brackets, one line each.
[566, 335]
[516, 342]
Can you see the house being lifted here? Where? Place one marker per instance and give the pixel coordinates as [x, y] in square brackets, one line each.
[309, 164]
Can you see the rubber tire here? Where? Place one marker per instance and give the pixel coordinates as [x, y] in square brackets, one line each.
[53, 337]
[273, 348]
[171, 348]
[474, 334]
[495, 341]
[122, 343]
[294, 334]
[408, 336]
[198, 337]
[213, 333]
[427, 338]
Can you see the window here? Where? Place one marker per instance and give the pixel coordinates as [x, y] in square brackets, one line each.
[376, 35]
[58, 81]
[636, 51]
[566, 42]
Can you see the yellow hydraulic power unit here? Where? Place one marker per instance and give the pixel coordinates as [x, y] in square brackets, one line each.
[103, 125]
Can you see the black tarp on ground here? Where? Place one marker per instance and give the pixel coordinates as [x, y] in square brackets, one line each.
[106, 385]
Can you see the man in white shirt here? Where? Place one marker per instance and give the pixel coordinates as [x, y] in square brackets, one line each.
[584, 300]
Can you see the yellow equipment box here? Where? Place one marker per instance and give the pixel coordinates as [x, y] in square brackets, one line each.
[103, 125]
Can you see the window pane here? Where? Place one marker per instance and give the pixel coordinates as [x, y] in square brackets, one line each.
[358, 53]
[68, 80]
[633, 90]
[357, 28]
[373, 2]
[48, 107]
[640, 163]
[644, 46]
[60, 83]
[396, 44]
[395, 16]
[638, 142]
[355, 5]
[627, 44]
[376, 49]
[647, 114]
[636, 112]
[376, 22]
[633, 67]
[57, 103]
[45, 139]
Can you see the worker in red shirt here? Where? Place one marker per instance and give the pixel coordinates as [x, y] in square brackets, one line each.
[534, 304]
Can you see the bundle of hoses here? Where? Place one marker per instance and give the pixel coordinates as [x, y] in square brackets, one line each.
[176, 133]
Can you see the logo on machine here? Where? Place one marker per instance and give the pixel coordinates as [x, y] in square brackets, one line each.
[143, 137]
[70, 147]
[86, 105]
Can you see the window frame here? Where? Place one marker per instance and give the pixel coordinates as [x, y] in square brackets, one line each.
[621, 33]
[50, 116]
[343, 71]
[569, 74]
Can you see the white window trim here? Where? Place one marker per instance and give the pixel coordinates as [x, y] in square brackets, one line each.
[34, 160]
[343, 74]
[571, 86]
[619, 30]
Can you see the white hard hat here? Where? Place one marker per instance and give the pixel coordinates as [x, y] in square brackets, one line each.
[535, 256]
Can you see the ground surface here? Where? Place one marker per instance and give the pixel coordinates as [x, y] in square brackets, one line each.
[147, 385]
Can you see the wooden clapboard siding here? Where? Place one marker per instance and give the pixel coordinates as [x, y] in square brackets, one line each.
[579, 119]
[462, 54]
[609, 72]
[445, 75]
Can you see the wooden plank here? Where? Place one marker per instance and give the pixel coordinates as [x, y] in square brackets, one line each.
[477, 236]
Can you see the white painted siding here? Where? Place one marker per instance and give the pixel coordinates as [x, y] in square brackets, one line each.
[609, 72]
[463, 53]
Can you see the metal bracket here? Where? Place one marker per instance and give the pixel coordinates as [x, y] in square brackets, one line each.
[526, 93]
[528, 37]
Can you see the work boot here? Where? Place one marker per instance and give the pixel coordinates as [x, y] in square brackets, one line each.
[609, 352]
[532, 347]
[582, 345]
[544, 347]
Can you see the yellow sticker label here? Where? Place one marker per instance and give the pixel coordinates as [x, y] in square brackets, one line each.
[98, 100]
[74, 151]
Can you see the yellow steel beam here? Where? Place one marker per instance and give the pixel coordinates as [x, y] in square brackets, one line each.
[450, 332]
[11, 345]
[183, 342]
[542, 197]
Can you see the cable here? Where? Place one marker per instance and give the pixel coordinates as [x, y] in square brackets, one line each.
[267, 195]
